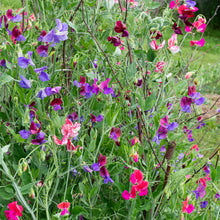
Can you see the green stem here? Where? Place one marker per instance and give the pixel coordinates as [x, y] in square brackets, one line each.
[17, 190]
[68, 174]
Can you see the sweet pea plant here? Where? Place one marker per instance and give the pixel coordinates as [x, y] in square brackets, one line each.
[99, 112]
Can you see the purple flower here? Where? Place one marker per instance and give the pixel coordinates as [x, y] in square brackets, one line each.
[59, 34]
[95, 63]
[185, 104]
[161, 134]
[43, 76]
[16, 18]
[24, 83]
[42, 50]
[101, 162]
[87, 169]
[104, 173]
[199, 101]
[24, 134]
[40, 139]
[95, 119]
[50, 91]
[165, 123]
[200, 155]
[125, 33]
[115, 41]
[23, 62]
[200, 191]
[105, 88]
[3, 63]
[41, 94]
[73, 117]
[181, 156]
[163, 148]
[217, 196]
[203, 204]
[190, 3]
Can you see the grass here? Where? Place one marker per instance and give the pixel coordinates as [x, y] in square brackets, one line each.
[6, 4]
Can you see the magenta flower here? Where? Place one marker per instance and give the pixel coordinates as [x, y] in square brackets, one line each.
[42, 50]
[115, 41]
[199, 43]
[139, 185]
[14, 211]
[120, 27]
[40, 139]
[104, 87]
[115, 133]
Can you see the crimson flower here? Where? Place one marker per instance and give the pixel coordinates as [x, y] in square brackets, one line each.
[14, 211]
[64, 207]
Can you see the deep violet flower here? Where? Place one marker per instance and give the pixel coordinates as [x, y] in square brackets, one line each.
[101, 162]
[203, 204]
[177, 30]
[120, 27]
[73, 117]
[50, 91]
[104, 173]
[41, 94]
[24, 83]
[24, 134]
[58, 34]
[16, 34]
[217, 196]
[23, 61]
[3, 63]
[43, 76]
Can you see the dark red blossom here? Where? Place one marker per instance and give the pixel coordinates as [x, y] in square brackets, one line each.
[16, 32]
[120, 27]
[56, 102]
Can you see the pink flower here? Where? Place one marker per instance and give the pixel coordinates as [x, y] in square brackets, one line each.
[64, 207]
[14, 211]
[173, 4]
[199, 43]
[159, 67]
[133, 3]
[188, 75]
[190, 208]
[139, 185]
[135, 140]
[68, 130]
[187, 208]
[200, 25]
[172, 47]
[154, 46]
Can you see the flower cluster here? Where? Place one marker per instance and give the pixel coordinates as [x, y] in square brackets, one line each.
[14, 211]
[138, 185]
[100, 166]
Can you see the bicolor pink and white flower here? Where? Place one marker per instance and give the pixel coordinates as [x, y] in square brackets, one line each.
[68, 130]
[172, 44]
[154, 46]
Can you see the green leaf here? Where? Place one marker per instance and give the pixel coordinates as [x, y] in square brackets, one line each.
[2, 151]
[26, 189]
[93, 192]
[217, 178]
[213, 173]
[71, 24]
[4, 78]
[7, 192]
[78, 210]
